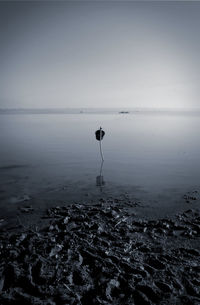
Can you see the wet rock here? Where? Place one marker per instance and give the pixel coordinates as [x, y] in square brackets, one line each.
[150, 292]
[188, 300]
[2, 283]
[112, 289]
[149, 269]
[155, 263]
[191, 196]
[192, 289]
[26, 209]
[2, 221]
[12, 274]
[193, 252]
[101, 254]
[177, 284]
[90, 297]
[14, 253]
[144, 249]
[19, 199]
[166, 288]
[141, 298]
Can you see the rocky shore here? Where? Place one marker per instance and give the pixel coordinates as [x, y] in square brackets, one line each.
[102, 254]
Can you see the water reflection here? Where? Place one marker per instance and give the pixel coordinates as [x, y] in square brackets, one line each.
[99, 179]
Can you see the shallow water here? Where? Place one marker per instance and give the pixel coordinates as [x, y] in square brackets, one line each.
[56, 156]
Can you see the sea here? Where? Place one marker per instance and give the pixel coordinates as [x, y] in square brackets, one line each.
[50, 157]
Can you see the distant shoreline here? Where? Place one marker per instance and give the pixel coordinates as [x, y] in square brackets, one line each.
[97, 111]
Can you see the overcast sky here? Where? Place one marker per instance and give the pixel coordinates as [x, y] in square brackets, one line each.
[99, 54]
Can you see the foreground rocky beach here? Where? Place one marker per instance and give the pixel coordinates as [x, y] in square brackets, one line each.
[102, 254]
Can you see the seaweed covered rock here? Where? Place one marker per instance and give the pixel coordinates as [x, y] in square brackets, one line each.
[102, 254]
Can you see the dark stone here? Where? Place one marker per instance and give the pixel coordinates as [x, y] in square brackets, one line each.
[193, 252]
[164, 287]
[150, 292]
[191, 289]
[155, 263]
[140, 298]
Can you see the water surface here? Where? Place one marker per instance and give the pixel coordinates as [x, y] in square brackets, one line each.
[150, 156]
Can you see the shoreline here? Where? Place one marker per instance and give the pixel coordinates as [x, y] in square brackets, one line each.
[30, 207]
[104, 253]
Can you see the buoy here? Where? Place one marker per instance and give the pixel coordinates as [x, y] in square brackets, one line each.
[99, 136]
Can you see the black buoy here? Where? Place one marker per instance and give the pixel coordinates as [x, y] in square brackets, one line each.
[99, 134]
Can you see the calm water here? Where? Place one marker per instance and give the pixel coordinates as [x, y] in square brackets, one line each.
[51, 155]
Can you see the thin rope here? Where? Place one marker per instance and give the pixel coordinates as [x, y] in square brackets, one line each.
[101, 168]
[101, 152]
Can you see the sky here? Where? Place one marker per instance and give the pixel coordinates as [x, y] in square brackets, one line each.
[99, 54]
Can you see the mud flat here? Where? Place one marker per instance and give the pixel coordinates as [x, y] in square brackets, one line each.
[102, 254]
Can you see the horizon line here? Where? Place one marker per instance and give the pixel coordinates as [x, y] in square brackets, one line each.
[100, 108]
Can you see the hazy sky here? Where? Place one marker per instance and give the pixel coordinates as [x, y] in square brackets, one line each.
[99, 54]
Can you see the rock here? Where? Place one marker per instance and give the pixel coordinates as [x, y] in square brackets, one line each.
[176, 284]
[149, 269]
[189, 211]
[102, 255]
[188, 300]
[112, 284]
[26, 209]
[155, 263]
[2, 283]
[140, 298]
[150, 292]
[11, 275]
[144, 249]
[191, 289]
[193, 252]
[164, 287]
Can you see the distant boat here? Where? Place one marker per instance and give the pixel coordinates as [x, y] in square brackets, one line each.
[124, 112]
